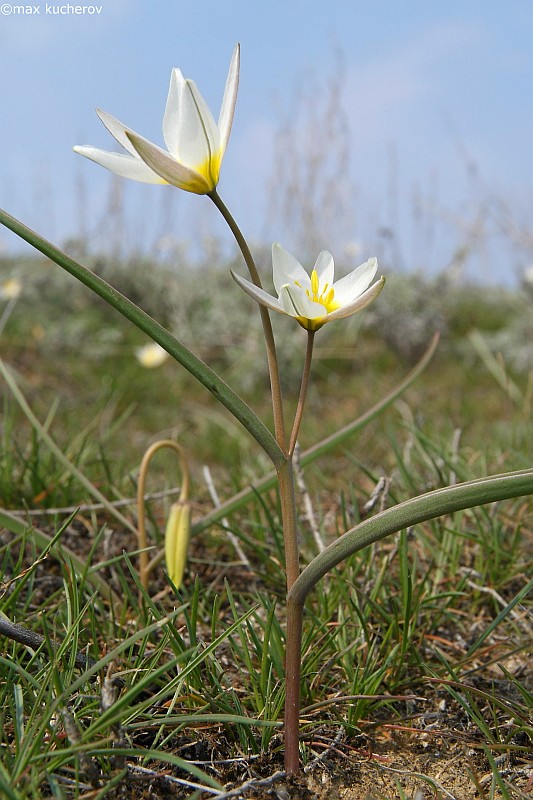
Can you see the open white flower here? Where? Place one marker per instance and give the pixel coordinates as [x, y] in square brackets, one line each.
[314, 300]
[196, 143]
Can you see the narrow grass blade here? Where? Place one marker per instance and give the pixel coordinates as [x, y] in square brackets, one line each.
[522, 594]
[58, 453]
[52, 544]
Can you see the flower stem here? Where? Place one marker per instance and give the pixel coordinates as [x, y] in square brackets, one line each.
[288, 502]
[293, 646]
[406, 514]
[293, 659]
[285, 474]
[303, 391]
[275, 384]
[288, 519]
[293, 641]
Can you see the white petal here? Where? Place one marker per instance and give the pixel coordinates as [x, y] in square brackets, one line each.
[258, 294]
[120, 164]
[325, 269]
[172, 111]
[297, 304]
[189, 130]
[358, 303]
[167, 167]
[227, 108]
[207, 129]
[350, 287]
[287, 269]
[117, 130]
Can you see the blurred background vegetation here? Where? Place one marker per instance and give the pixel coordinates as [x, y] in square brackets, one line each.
[76, 363]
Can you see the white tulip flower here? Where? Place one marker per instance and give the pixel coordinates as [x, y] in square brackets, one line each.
[195, 142]
[314, 300]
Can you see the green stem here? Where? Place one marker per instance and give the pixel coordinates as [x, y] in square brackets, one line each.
[275, 384]
[303, 391]
[218, 388]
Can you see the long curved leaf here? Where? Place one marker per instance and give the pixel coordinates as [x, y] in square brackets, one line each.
[411, 512]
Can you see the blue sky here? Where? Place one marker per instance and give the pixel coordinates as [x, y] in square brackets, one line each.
[436, 99]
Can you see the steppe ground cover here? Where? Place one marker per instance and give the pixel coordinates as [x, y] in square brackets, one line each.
[416, 675]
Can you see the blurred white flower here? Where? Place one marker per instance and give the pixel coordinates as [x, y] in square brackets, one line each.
[151, 355]
[195, 142]
[314, 300]
[528, 275]
[10, 289]
[352, 249]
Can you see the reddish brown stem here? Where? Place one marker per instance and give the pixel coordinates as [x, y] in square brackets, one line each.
[293, 657]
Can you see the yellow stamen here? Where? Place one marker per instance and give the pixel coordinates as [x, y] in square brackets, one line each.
[314, 284]
[326, 296]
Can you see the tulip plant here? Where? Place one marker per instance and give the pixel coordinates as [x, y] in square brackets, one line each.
[195, 148]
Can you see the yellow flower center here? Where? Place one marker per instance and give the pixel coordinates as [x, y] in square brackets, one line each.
[210, 169]
[324, 295]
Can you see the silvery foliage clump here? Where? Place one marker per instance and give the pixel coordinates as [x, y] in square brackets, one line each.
[409, 313]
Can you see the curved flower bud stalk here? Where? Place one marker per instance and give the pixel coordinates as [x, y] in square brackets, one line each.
[195, 142]
[315, 299]
[178, 527]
